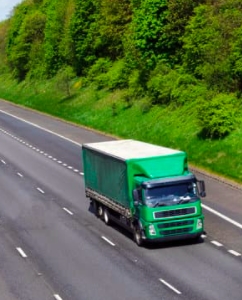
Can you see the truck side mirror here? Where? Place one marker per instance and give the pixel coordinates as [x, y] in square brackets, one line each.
[201, 188]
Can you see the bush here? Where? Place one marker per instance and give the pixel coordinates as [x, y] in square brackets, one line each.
[98, 70]
[107, 74]
[63, 80]
[217, 117]
[145, 105]
[161, 84]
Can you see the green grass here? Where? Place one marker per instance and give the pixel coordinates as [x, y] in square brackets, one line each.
[109, 113]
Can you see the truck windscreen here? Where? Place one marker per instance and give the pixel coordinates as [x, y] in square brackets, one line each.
[171, 194]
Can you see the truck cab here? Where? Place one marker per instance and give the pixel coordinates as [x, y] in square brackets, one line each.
[168, 208]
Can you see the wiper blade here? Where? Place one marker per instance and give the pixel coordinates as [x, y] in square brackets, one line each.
[182, 201]
[159, 204]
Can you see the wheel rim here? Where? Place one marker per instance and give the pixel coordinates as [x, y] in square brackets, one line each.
[100, 211]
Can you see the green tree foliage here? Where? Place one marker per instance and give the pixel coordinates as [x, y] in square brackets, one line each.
[113, 18]
[17, 47]
[217, 117]
[83, 31]
[179, 14]
[161, 83]
[149, 20]
[66, 44]
[25, 39]
[55, 16]
[207, 44]
[3, 36]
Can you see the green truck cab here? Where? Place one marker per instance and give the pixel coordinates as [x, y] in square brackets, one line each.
[147, 189]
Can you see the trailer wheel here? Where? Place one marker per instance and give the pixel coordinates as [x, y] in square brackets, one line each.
[100, 211]
[138, 236]
[106, 217]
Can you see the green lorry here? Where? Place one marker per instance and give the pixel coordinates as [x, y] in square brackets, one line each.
[147, 189]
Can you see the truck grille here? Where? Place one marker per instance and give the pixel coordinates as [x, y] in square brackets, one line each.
[174, 212]
[176, 224]
[176, 231]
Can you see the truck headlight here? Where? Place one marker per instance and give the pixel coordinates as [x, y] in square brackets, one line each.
[152, 230]
[199, 224]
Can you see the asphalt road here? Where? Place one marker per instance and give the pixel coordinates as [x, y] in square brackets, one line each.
[53, 247]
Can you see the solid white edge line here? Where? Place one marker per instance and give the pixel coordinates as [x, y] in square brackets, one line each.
[21, 252]
[68, 211]
[237, 224]
[170, 286]
[37, 126]
[57, 297]
[217, 243]
[234, 252]
[108, 241]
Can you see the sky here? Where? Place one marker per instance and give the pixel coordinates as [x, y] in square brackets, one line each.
[6, 7]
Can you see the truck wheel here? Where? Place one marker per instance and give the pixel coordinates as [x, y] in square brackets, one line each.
[106, 217]
[100, 211]
[138, 236]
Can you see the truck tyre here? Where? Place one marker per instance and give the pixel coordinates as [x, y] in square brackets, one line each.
[138, 236]
[106, 217]
[100, 211]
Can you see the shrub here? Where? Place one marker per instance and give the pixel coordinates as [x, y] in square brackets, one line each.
[63, 80]
[187, 89]
[161, 84]
[217, 117]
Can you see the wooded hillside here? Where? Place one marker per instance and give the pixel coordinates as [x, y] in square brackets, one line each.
[163, 51]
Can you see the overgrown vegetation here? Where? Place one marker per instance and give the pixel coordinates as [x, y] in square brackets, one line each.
[164, 71]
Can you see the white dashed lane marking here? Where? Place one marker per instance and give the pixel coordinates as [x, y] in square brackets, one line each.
[108, 241]
[21, 252]
[40, 190]
[41, 152]
[170, 286]
[217, 243]
[235, 253]
[57, 297]
[68, 211]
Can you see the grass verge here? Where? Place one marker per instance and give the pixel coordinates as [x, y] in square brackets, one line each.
[170, 126]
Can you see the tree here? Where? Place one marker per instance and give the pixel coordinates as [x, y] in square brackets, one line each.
[149, 20]
[113, 18]
[55, 14]
[207, 44]
[83, 29]
[179, 14]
